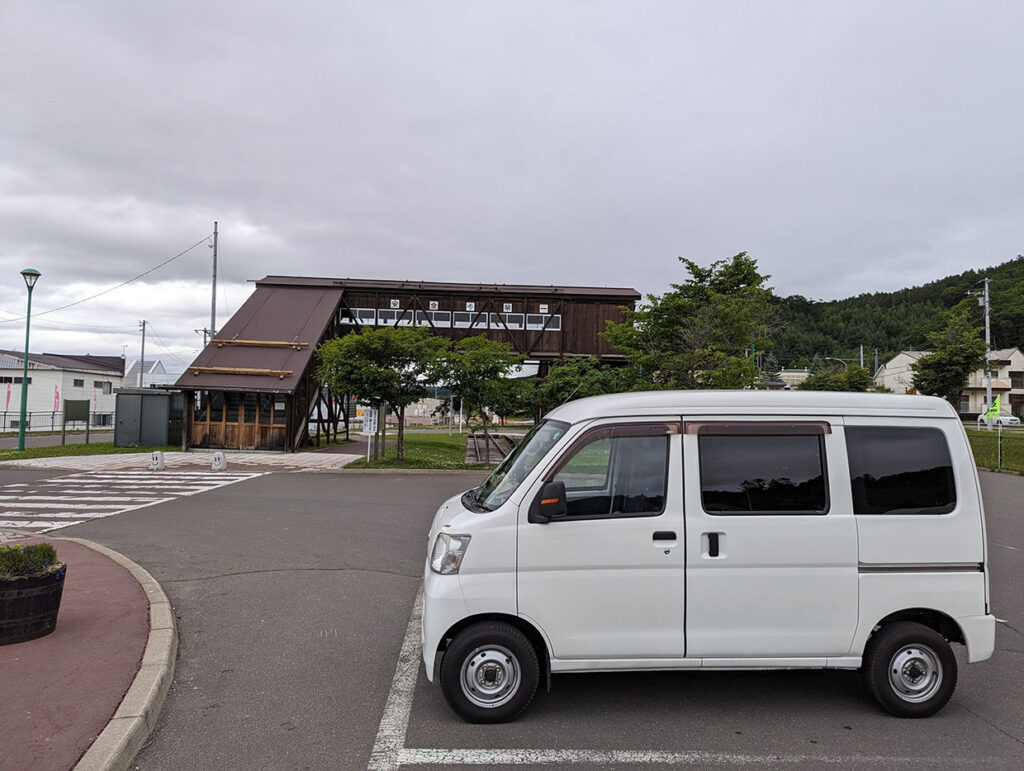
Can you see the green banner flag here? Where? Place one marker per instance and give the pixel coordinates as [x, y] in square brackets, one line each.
[993, 411]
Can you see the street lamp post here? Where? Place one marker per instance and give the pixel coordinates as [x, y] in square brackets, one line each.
[31, 275]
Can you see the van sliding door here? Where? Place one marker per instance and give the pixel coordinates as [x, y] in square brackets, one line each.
[771, 566]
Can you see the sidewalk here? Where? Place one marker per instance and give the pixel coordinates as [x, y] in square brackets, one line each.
[89, 692]
[327, 459]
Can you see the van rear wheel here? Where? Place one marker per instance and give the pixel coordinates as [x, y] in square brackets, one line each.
[489, 673]
[910, 669]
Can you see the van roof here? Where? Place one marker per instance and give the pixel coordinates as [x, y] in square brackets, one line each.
[727, 403]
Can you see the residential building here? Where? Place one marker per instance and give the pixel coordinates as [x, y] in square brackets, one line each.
[153, 374]
[1007, 381]
[793, 377]
[52, 379]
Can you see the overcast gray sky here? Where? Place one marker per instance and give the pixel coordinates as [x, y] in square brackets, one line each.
[848, 146]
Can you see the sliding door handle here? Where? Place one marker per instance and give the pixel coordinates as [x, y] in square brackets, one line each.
[713, 545]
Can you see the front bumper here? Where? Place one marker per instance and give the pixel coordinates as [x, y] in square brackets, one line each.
[443, 606]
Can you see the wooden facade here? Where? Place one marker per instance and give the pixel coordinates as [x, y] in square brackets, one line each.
[541, 323]
[254, 386]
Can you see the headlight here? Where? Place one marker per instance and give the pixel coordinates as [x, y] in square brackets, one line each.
[446, 558]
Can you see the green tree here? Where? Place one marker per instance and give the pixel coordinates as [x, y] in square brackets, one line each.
[384, 366]
[473, 368]
[956, 351]
[513, 397]
[699, 334]
[848, 379]
[770, 367]
[569, 379]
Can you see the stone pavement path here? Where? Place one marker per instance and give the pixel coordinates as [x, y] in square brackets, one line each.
[175, 461]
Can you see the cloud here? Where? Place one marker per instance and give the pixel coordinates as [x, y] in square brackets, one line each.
[848, 147]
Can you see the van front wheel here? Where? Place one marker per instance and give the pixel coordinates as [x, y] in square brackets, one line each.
[910, 669]
[489, 673]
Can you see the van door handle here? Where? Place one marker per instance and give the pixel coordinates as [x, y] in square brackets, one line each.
[712, 544]
[664, 535]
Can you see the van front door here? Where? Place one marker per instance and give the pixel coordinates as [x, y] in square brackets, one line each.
[606, 580]
[771, 540]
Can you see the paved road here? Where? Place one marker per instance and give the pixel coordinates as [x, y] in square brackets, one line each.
[49, 504]
[294, 592]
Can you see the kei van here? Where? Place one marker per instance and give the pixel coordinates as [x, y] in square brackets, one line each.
[715, 530]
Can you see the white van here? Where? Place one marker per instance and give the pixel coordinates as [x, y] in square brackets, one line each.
[715, 530]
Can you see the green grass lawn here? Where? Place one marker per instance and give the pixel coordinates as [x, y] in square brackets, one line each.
[93, 448]
[985, 445]
[425, 450]
[440, 451]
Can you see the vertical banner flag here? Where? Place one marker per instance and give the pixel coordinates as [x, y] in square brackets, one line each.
[56, 399]
[993, 411]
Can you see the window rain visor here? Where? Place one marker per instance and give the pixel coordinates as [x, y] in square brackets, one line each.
[511, 472]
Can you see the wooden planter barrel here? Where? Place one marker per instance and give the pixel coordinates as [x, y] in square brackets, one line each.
[29, 605]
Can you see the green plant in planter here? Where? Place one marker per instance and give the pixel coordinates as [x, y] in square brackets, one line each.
[31, 585]
[34, 560]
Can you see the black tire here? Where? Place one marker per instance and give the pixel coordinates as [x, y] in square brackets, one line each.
[910, 669]
[489, 673]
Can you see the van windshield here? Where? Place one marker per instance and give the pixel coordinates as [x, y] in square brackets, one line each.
[511, 472]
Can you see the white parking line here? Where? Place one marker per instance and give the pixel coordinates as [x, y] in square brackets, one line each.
[607, 758]
[395, 722]
[390, 754]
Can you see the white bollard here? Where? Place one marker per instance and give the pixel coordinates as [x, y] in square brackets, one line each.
[220, 463]
[157, 461]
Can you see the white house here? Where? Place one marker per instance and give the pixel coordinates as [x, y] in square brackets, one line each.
[153, 374]
[793, 377]
[1007, 381]
[52, 379]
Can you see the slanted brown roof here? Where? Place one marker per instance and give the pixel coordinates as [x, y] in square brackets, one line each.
[268, 343]
[107, 365]
[617, 294]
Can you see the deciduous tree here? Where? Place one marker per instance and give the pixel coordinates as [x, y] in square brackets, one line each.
[699, 334]
[472, 368]
[382, 366]
[956, 351]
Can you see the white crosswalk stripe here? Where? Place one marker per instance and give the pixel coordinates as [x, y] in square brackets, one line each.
[49, 504]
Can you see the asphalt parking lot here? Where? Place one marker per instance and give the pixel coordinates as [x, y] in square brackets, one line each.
[295, 593]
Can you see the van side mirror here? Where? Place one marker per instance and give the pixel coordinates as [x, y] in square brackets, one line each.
[549, 504]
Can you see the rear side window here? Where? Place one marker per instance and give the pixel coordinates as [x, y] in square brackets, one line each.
[766, 469]
[900, 470]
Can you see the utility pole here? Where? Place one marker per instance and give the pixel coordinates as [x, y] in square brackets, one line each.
[988, 354]
[213, 300]
[862, 356]
[142, 360]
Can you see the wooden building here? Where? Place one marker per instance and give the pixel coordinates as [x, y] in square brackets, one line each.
[254, 386]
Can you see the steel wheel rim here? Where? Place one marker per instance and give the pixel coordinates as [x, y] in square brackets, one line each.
[915, 673]
[490, 676]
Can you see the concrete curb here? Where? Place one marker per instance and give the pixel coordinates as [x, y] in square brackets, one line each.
[118, 744]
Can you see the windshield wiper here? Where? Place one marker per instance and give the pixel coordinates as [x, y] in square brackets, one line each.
[470, 501]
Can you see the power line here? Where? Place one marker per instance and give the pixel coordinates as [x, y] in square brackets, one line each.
[163, 346]
[111, 289]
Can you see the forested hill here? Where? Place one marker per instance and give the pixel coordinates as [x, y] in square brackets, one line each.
[896, 321]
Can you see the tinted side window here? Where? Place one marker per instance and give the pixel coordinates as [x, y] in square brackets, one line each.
[618, 472]
[900, 471]
[763, 473]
